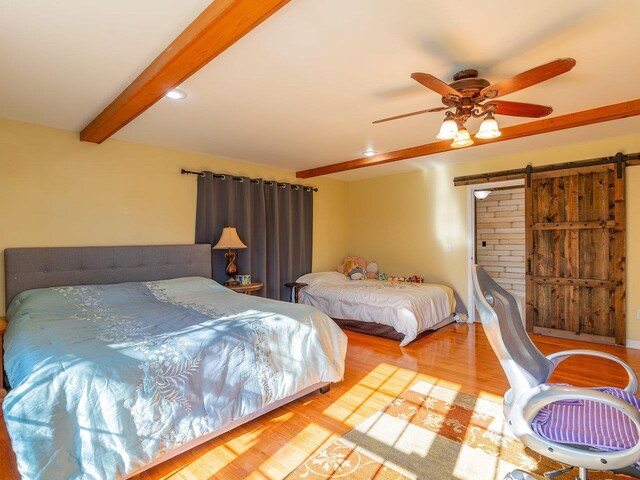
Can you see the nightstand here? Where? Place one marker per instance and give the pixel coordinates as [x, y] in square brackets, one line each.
[246, 289]
[295, 290]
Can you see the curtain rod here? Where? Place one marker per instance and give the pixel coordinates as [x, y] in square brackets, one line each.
[252, 180]
[620, 158]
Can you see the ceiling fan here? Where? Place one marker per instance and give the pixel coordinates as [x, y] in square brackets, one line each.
[471, 96]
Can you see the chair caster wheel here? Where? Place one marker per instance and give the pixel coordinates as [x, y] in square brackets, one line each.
[519, 475]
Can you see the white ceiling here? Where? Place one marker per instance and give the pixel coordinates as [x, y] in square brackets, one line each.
[301, 90]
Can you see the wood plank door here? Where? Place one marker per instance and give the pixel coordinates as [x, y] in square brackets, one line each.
[575, 250]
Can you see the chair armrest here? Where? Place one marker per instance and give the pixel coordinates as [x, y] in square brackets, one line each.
[531, 402]
[632, 386]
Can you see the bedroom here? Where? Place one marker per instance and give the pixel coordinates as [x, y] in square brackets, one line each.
[339, 68]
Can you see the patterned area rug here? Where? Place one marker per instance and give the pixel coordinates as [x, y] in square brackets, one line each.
[433, 433]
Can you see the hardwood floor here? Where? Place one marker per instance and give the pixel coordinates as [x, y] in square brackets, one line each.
[457, 356]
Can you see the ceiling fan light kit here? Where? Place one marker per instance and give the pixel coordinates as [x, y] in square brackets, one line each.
[462, 139]
[448, 129]
[469, 96]
[488, 128]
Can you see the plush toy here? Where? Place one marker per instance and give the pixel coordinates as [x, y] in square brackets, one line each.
[354, 271]
[382, 276]
[372, 270]
[415, 279]
[362, 263]
[393, 278]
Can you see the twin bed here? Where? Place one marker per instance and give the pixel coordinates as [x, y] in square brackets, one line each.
[398, 310]
[122, 357]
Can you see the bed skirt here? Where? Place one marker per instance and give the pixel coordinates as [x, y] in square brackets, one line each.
[386, 331]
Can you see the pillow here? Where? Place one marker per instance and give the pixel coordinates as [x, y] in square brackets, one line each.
[354, 271]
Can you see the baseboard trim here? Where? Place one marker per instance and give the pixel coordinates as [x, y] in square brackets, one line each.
[633, 344]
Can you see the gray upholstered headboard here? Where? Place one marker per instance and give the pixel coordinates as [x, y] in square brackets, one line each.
[27, 268]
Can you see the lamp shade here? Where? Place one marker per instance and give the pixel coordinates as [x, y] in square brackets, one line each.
[229, 239]
[489, 128]
[462, 139]
[448, 129]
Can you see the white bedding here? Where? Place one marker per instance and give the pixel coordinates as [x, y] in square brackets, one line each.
[409, 308]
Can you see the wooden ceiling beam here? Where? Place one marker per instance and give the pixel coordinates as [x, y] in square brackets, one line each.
[218, 27]
[537, 127]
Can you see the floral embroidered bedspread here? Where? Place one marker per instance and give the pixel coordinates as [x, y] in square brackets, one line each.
[107, 378]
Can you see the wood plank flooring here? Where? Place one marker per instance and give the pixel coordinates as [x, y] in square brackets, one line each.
[457, 356]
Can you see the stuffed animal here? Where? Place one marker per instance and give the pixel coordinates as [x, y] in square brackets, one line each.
[362, 263]
[382, 276]
[393, 278]
[415, 279]
[372, 270]
[354, 271]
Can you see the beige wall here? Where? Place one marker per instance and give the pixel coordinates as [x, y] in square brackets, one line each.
[55, 190]
[418, 222]
[58, 191]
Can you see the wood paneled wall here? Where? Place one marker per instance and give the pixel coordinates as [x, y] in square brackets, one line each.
[500, 225]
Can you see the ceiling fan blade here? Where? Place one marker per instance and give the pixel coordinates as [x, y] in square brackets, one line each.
[529, 78]
[435, 84]
[517, 109]
[436, 109]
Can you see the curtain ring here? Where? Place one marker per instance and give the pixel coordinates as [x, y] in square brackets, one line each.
[307, 189]
[241, 179]
[202, 174]
[222, 177]
[296, 187]
[283, 185]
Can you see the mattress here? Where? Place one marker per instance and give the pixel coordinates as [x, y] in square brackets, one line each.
[108, 378]
[409, 308]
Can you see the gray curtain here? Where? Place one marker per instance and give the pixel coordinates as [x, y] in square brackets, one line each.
[289, 214]
[274, 220]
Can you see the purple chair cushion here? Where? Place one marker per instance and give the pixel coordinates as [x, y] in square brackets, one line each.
[589, 423]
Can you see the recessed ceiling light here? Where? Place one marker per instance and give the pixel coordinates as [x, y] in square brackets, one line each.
[369, 153]
[176, 94]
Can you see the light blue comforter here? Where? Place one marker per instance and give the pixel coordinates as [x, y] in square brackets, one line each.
[107, 378]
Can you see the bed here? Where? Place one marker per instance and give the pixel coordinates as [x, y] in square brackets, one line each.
[122, 357]
[399, 310]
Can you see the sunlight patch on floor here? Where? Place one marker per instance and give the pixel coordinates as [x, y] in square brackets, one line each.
[290, 455]
[375, 390]
[246, 441]
[285, 449]
[223, 456]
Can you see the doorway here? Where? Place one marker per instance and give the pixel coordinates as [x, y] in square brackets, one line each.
[497, 223]
[500, 237]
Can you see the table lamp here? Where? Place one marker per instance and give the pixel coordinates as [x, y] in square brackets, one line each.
[228, 240]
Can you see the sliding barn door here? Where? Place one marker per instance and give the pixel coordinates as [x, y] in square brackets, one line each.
[575, 247]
